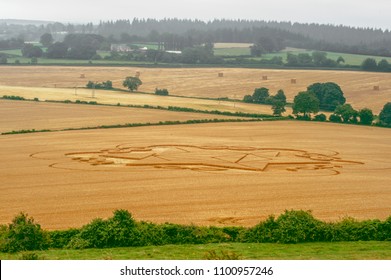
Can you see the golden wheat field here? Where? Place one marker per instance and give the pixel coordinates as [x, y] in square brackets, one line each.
[205, 174]
[28, 115]
[204, 82]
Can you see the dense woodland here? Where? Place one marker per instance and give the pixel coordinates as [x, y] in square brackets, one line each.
[181, 33]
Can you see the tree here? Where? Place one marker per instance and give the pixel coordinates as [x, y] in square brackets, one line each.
[366, 116]
[256, 50]
[385, 115]
[306, 103]
[369, 64]
[260, 95]
[320, 118]
[292, 60]
[248, 99]
[29, 50]
[3, 59]
[346, 112]
[280, 95]
[34, 61]
[340, 60]
[57, 50]
[330, 95]
[278, 102]
[383, 65]
[278, 107]
[304, 59]
[319, 58]
[132, 83]
[23, 234]
[335, 118]
[46, 40]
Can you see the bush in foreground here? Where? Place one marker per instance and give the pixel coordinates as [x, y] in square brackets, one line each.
[122, 230]
[23, 234]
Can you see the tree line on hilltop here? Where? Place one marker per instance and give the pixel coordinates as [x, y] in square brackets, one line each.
[182, 33]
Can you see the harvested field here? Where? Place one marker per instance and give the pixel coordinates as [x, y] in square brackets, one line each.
[124, 98]
[207, 174]
[27, 115]
[204, 82]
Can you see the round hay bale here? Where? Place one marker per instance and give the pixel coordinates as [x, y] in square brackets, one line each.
[293, 81]
[82, 76]
[377, 88]
[264, 78]
[221, 74]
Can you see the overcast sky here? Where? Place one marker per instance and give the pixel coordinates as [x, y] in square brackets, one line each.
[374, 13]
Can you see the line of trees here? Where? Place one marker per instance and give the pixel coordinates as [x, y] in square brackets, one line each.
[329, 97]
[122, 230]
[262, 96]
[370, 64]
[316, 59]
[179, 34]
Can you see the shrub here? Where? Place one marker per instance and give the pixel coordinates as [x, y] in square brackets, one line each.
[385, 229]
[13, 97]
[320, 118]
[30, 256]
[303, 117]
[61, 238]
[104, 85]
[95, 233]
[118, 231]
[23, 234]
[263, 232]
[223, 255]
[335, 118]
[77, 243]
[296, 226]
[248, 99]
[385, 115]
[366, 116]
[163, 91]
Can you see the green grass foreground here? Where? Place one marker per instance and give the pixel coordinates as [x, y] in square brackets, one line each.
[360, 250]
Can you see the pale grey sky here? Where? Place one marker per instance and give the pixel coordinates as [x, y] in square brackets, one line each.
[374, 13]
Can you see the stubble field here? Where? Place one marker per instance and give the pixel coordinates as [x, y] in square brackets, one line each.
[204, 82]
[28, 115]
[206, 174]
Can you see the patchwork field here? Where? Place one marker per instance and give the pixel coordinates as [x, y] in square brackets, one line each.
[204, 82]
[28, 115]
[206, 174]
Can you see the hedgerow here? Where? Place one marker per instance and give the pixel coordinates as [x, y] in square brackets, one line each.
[122, 230]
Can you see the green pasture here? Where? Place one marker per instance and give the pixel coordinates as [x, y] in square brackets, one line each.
[362, 250]
[350, 59]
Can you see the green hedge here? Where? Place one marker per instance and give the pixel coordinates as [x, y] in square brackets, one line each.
[122, 230]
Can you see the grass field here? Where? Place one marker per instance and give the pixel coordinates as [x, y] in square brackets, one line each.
[306, 251]
[350, 59]
[227, 49]
[207, 174]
